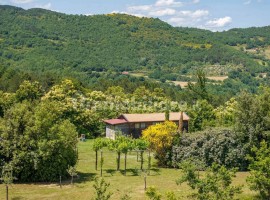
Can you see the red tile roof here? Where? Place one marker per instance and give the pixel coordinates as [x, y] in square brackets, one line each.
[115, 121]
[153, 117]
[146, 117]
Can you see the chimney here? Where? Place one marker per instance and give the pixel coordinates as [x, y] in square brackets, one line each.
[181, 123]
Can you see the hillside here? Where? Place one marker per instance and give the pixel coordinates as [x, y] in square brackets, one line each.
[47, 45]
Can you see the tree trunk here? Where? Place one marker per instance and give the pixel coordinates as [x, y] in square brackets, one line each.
[149, 161]
[145, 182]
[6, 191]
[141, 160]
[125, 164]
[101, 162]
[96, 159]
[61, 182]
[118, 160]
[181, 123]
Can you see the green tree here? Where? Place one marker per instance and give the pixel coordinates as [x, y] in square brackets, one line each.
[153, 194]
[259, 180]
[249, 119]
[141, 145]
[125, 146]
[98, 144]
[215, 184]
[7, 177]
[72, 172]
[198, 90]
[201, 115]
[101, 188]
[29, 91]
[38, 142]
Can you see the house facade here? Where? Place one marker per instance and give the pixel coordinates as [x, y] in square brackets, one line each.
[134, 124]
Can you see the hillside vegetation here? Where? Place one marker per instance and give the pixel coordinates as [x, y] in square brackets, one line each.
[47, 46]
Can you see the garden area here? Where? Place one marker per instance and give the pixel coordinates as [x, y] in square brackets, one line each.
[121, 186]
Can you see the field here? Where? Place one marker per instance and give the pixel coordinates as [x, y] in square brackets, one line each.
[217, 78]
[132, 184]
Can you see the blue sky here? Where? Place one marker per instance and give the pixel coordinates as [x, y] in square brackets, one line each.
[215, 15]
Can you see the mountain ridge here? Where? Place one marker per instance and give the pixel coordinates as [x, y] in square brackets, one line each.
[42, 42]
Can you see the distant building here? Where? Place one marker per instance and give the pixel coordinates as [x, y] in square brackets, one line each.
[134, 124]
[125, 73]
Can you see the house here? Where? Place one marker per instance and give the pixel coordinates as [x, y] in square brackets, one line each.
[134, 124]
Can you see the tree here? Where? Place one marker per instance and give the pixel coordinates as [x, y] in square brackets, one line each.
[201, 114]
[259, 180]
[213, 145]
[249, 119]
[29, 91]
[225, 114]
[99, 143]
[7, 177]
[167, 111]
[215, 184]
[38, 142]
[160, 137]
[101, 189]
[141, 145]
[125, 146]
[198, 90]
[72, 172]
[153, 194]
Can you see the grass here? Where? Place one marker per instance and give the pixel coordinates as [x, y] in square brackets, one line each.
[132, 184]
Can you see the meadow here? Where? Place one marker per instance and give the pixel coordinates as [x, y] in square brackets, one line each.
[132, 184]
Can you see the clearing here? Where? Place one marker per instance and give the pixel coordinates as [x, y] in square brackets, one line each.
[132, 184]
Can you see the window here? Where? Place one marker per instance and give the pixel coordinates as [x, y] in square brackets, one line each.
[142, 125]
[137, 125]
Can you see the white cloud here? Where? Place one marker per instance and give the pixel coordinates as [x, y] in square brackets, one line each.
[171, 11]
[127, 13]
[179, 21]
[162, 3]
[193, 14]
[189, 18]
[163, 12]
[218, 23]
[140, 8]
[21, 1]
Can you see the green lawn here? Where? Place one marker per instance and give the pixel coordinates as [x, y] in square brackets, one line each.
[131, 184]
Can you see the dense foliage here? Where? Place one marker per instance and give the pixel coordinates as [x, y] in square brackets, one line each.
[208, 147]
[260, 172]
[37, 140]
[47, 46]
[160, 138]
[216, 184]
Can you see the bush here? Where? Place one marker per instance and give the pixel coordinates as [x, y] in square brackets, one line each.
[212, 146]
[260, 171]
[215, 185]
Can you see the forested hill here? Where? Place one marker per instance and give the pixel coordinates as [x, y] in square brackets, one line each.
[47, 43]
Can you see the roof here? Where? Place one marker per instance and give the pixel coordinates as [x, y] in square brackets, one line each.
[115, 121]
[153, 117]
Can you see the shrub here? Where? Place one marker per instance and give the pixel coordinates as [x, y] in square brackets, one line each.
[215, 185]
[260, 171]
[211, 146]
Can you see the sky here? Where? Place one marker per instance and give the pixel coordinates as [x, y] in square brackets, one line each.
[214, 15]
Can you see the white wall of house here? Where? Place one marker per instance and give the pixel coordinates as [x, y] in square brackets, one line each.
[110, 132]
